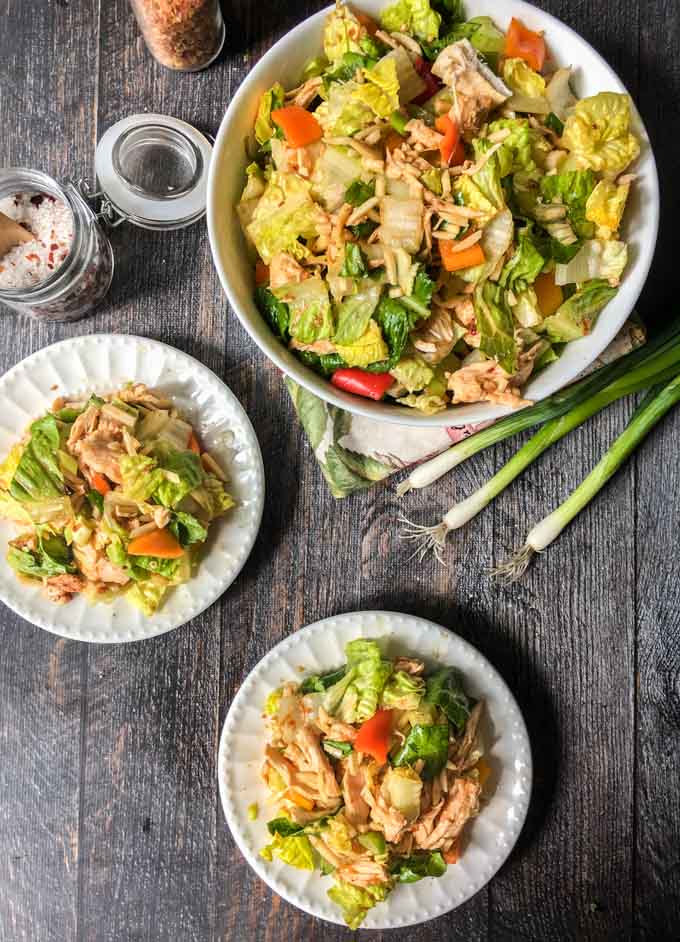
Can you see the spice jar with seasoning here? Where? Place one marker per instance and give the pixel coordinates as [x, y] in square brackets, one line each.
[152, 172]
[185, 35]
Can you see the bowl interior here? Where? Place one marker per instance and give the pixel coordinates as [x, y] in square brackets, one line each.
[284, 63]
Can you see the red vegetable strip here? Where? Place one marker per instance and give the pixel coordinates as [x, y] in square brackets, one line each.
[361, 382]
[375, 735]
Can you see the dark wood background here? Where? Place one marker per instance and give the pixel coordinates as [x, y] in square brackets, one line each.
[110, 824]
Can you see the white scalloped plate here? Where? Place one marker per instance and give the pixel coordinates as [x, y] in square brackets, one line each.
[101, 363]
[319, 647]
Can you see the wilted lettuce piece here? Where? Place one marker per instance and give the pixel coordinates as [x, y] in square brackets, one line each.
[404, 787]
[318, 683]
[354, 313]
[185, 472]
[148, 595]
[526, 311]
[334, 695]
[37, 474]
[367, 349]
[573, 188]
[424, 402]
[275, 312]
[522, 79]
[272, 99]
[187, 529]
[595, 259]
[412, 16]
[597, 133]
[52, 557]
[445, 690]
[354, 264]
[342, 33]
[524, 266]
[212, 496]
[359, 191]
[370, 675]
[284, 213]
[283, 826]
[605, 207]
[488, 179]
[380, 88]
[469, 194]
[577, 315]
[9, 466]
[356, 901]
[140, 476]
[403, 691]
[11, 509]
[396, 322]
[413, 373]
[374, 842]
[310, 309]
[343, 113]
[414, 868]
[495, 325]
[334, 172]
[338, 834]
[429, 743]
[294, 850]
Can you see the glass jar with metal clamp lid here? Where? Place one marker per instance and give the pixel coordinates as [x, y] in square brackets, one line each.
[152, 172]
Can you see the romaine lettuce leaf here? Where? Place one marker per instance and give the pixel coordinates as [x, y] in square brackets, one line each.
[396, 322]
[356, 901]
[482, 32]
[522, 79]
[342, 33]
[605, 207]
[283, 826]
[445, 690]
[370, 675]
[495, 325]
[597, 133]
[403, 691]
[573, 188]
[343, 113]
[429, 743]
[284, 214]
[148, 595]
[354, 265]
[346, 68]
[412, 16]
[319, 683]
[11, 509]
[311, 317]
[359, 191]
[577, 315]
[37, 474]
[335, 173]
[414, 868]
[354, 313]
[526, 311]
[187, 529]
[140, 476]
[187, 473]
[275, 312]
[212, 497]
[413, 373]
[380, 88]
[595, 259]
[367, 349]
[294, 850]
[52, 557]
[9, 466]
[488, 179]
[425, 402]
[272, 99]
[516, 152]
[524, 266]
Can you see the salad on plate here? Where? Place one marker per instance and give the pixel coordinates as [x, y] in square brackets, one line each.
[431, 212]
[113, 494]
[374, 771]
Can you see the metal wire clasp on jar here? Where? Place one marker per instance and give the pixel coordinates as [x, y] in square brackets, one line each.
[71, 288]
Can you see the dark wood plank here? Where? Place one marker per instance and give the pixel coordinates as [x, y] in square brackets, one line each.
[48, 122]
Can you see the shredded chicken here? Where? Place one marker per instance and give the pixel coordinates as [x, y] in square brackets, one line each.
[410, 665]
[285, 270]
[420, 133]
[476, 89]
[435, 339]
[363, 872]
[385, 818]
[334, 729]
[96, 566]
[484, 381]
[100, 454]
[61, 589]
[357, 808]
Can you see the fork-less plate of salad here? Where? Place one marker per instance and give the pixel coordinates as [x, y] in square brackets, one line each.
[431, 213]
[374, 770]
[130, 488]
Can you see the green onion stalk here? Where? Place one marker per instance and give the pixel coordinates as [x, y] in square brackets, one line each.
[651, 410]
[666, 344]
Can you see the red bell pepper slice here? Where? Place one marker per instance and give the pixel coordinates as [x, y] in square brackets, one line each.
[451, 148]
[432, 83]
[375, 735]
[523, 43]
[361, 382]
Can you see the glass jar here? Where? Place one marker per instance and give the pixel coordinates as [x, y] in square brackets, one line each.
[185, 35]
[84, 277]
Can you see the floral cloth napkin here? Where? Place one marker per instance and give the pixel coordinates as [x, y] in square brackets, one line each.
[355, 453]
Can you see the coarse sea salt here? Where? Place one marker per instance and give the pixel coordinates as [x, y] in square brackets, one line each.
[51, 222]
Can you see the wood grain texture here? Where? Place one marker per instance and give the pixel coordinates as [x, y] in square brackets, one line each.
[110, 825]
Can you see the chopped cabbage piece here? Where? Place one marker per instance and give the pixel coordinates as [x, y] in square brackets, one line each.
[596, 258]
[576, 316]
[272, 99]
[522, 79]
[342, 33]
[284, 214]
[367, 349]
[413, 373]
[310, 309]
[412, 16]
[380, 88]
[404, 787]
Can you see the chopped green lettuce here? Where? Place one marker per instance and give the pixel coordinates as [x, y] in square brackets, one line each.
[413, 373]
[352, 316]
[526, 311]
[275, 312]
[369, 677]
[52, 557]
[11, 509]
[403, 691]
[522, 79]
[445, 690]
[294, 850]
[524, 266]
[488, 179]
[37, 474]
[9, 466]
[482, 32]
[283, 826]
[516, 152]
[272, 99]
[429, 743]
[425, 402]
[595, 259]
[185, 473]
[342, 33]
[597, 132]
[495, 325]
[311, 317]
[374, 842]
[380, 88]
[187, 529]
[396, 322]
[358, 192]
[576, 316]
[403, 787]
[605, 207]
[284, 214]
[412, 16]
[347, 68]
[414, 868]
[355, 901]
[344, 113]
[573, 188]
[369, 348]
[318, 683]
[212, 497]
[354, 265]
[140, 475]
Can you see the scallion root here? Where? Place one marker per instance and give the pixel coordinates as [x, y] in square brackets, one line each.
[427, 539]
[514, 568]
[404, 487]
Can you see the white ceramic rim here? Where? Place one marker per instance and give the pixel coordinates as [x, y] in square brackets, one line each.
[158, 624]
[605, 329]
[235, 810]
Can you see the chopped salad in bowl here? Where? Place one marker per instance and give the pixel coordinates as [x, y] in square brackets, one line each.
[113, 495]
[432, 214]
[374, 772]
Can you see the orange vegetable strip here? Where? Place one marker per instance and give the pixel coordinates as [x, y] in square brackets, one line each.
[261, 273]
[375, 735]
[159, 543]
[300, 127]
[453, 260]
[300, 800]
[100, 484]
[548, 294]
[523, 43]
[193, 444]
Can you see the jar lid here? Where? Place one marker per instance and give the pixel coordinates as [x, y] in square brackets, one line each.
[153, 169]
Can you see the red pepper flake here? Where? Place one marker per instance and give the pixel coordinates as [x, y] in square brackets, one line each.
[54, 246]
[32, 257]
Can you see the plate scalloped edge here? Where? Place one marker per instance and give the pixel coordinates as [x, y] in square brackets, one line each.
[319, 647]
[100, 362]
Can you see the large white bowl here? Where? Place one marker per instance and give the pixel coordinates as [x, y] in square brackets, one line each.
[284, 63]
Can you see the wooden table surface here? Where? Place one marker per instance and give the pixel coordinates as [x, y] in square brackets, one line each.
[110, 824]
